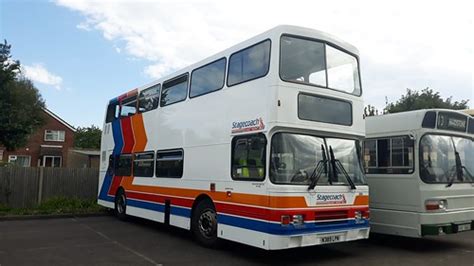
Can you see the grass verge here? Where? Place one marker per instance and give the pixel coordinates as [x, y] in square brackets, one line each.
[55, 206]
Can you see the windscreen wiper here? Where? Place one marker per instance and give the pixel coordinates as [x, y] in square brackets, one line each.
[321, 167]
[337, 164]
[459, 166]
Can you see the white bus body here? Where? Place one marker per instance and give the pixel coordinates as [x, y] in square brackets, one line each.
[232, 148]
[419, 167]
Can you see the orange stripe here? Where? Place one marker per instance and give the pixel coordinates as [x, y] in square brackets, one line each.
[139, 133]
[239, 198]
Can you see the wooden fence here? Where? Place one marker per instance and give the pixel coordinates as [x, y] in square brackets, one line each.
[22, 187]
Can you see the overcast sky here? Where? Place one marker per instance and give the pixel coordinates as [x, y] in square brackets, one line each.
[402, 44]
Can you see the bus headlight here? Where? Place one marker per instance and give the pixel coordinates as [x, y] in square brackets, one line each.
[436, 205]
[298, 219]
[359, 217]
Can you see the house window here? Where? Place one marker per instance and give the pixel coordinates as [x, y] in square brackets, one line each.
[54, 135]
[52, 161]
[20, 160]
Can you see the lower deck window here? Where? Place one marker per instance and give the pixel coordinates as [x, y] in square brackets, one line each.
[143, 164]
[393, 155]
[169, 163]
[123, 165]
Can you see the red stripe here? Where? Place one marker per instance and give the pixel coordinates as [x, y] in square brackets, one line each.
[114, 185]
[160, 199]
[127, 133]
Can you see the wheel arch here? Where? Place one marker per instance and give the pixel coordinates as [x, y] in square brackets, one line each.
[199, 199]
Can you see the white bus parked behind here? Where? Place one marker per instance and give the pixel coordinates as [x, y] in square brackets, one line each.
[420, 166]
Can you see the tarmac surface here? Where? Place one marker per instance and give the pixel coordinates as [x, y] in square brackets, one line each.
[105, 240]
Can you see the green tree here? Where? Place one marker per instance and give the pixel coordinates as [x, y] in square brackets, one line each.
[9, 68]
[87, 137]
[426, 99]
[370, 110]
[20, 103]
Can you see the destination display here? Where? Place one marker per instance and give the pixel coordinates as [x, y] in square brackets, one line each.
[452, 121]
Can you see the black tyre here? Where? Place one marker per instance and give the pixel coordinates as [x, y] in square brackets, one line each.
[204, 224]
[121, 205]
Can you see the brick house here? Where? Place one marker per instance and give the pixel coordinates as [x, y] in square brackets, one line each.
[47, 147]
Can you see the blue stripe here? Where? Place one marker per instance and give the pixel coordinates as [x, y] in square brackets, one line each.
[277, 229]
[118, 139]
[105, 188]
[178, 211]
[118, 144]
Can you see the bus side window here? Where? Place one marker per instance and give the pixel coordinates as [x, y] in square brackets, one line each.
[112, 112]
[128, 107]
[111, 166]
[123, 165]
[393, 155]
[170, 163]
[143, 164]
[149, 99]
[248, 157]
[250, 63]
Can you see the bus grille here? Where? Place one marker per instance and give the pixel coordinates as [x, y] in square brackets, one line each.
[331, 215]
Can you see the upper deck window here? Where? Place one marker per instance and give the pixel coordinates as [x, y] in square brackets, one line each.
[250, 63]
[316, 63]
[112, 112]
[208, 78]
[149, 99]
[174, 90]
[128, 107]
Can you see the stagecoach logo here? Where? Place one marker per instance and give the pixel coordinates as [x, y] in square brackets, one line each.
[330, 199]
[248, 125]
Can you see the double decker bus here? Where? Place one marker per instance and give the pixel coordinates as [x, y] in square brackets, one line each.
[420, 167]
[259, 144]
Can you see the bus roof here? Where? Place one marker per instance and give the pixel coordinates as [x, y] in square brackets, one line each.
[469, 112]
[392, 124]
[273, 33]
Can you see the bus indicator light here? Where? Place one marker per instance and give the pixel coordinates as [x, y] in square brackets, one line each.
[285, 220]
[435, 205]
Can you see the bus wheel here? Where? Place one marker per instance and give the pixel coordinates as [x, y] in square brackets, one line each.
[204, 224]
[120, 205]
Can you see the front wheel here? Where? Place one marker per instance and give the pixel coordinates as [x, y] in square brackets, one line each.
[204, 224]
[121, 205]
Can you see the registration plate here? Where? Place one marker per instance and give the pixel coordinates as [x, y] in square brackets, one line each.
[464, 227]
[330, 239]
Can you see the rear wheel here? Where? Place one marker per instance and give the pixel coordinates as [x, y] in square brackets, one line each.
[120, 205]
[204, 223]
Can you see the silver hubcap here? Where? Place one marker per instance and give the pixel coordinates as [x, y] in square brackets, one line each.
[121, 204]
[208, 223]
